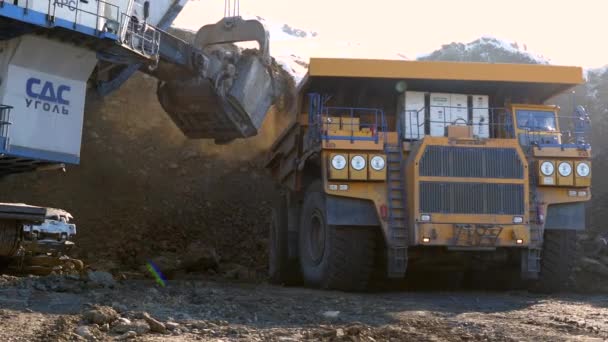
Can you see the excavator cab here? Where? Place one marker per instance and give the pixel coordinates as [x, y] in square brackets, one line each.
[231, 97]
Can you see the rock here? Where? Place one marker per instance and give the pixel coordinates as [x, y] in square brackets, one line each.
[105, 327]
[173, 166]
[83, 331]
[288, 339]
[171, 325]
[325, 333]
[120, 307]
[189, 154]
[331, 314]
[199, 257]
[353, 330]
[140, 327]
[167, 263]
[236, 271]
[123, 320]
[126, 336]
[155, 326]
[39, 286]
[100, 315]
[101, 279]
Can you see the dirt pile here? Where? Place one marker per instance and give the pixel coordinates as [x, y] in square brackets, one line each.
[143, 191]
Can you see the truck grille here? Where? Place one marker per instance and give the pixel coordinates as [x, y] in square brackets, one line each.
[471, 198]
[478, 162]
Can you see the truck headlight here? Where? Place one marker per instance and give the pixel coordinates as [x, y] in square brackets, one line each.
[358, 163]
[547, 168]
[518, 219]
[377, 163]
[583, 169]
[564, 169]
[338, 162]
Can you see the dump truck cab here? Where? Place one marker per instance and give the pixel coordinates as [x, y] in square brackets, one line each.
[536, 123]
[415, 160]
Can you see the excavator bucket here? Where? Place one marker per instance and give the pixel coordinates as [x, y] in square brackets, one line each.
[231, 98]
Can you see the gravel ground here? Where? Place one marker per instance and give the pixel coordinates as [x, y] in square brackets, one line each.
[60, 309]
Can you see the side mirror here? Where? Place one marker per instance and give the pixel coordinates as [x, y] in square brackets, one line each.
[146, 10]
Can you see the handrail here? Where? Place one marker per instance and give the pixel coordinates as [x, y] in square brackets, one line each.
[77, 10]
[52, 13]
[141, 37]
[5, 116]
[578, 135]
[376, 128]
[485, 121]
[101, 18]
[414, 125]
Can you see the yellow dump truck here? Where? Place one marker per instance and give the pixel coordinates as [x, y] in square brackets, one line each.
[389, 164]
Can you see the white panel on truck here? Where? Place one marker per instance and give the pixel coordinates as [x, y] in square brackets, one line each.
[481, 117]
[440, 113]
[46, 86]
[413, 115]
[460, 109]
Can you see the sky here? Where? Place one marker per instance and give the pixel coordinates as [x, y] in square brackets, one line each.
[565, 32]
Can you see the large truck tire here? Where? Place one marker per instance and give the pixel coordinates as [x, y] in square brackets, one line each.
[281, 270]
[557, 261]
[332, 257]
[10, 237]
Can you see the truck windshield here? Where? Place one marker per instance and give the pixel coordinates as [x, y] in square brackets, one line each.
[536, 120]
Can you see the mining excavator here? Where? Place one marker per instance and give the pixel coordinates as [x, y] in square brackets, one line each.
[52, 51]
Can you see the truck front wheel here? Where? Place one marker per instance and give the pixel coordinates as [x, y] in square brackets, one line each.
[332, 257]
[557, 261]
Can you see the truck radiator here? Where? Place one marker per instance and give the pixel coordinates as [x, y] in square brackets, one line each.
[478, 162]
[471, 198]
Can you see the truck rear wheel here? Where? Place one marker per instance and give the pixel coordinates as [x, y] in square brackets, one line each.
[332, 257]
[281, 270]
[557, 261]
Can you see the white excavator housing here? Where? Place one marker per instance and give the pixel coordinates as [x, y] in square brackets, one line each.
[47, 94]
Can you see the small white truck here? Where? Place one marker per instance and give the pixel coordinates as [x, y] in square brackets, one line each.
[56, 226]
